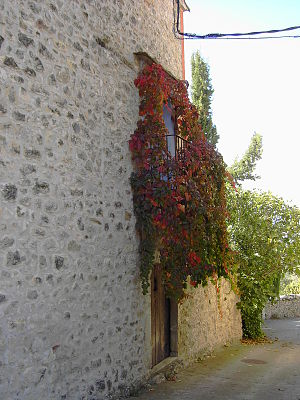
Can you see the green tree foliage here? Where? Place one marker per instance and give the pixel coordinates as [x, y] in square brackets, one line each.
[290, 283]
[264, 231]
[202, 92]
[243, 169]
[265, 234]
[292, 288]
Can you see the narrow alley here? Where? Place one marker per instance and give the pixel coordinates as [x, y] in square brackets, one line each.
[242, 372]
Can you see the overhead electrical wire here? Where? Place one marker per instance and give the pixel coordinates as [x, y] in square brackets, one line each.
[230, 36]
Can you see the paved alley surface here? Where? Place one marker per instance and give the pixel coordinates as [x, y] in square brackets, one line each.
[242, 372]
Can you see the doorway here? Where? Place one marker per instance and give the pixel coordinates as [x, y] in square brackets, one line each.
[164, 317]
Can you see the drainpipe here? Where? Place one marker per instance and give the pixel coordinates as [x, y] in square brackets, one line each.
[182, 45]
[183, 7]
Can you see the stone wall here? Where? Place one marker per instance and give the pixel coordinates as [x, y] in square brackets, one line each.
[285, 307]
[204, 324]
[74, 324]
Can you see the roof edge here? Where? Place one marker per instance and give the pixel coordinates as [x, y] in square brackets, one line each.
[184, 6]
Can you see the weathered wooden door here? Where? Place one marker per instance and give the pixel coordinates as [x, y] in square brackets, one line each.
[160, 319]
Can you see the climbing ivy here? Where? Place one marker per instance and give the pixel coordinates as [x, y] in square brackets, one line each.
[179, 202]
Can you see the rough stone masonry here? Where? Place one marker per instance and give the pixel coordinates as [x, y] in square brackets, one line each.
[74, 324]
[285, 307]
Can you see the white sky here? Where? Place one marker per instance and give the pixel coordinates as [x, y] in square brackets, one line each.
[256, 83]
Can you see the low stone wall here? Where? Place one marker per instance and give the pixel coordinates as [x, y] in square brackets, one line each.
[203, 324]
[285, 307]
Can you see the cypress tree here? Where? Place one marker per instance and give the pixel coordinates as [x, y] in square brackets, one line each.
[202, 92]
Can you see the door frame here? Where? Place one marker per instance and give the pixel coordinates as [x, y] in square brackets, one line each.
[164, 311]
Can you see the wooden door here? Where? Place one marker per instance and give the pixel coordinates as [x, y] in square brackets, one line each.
[160, 319]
